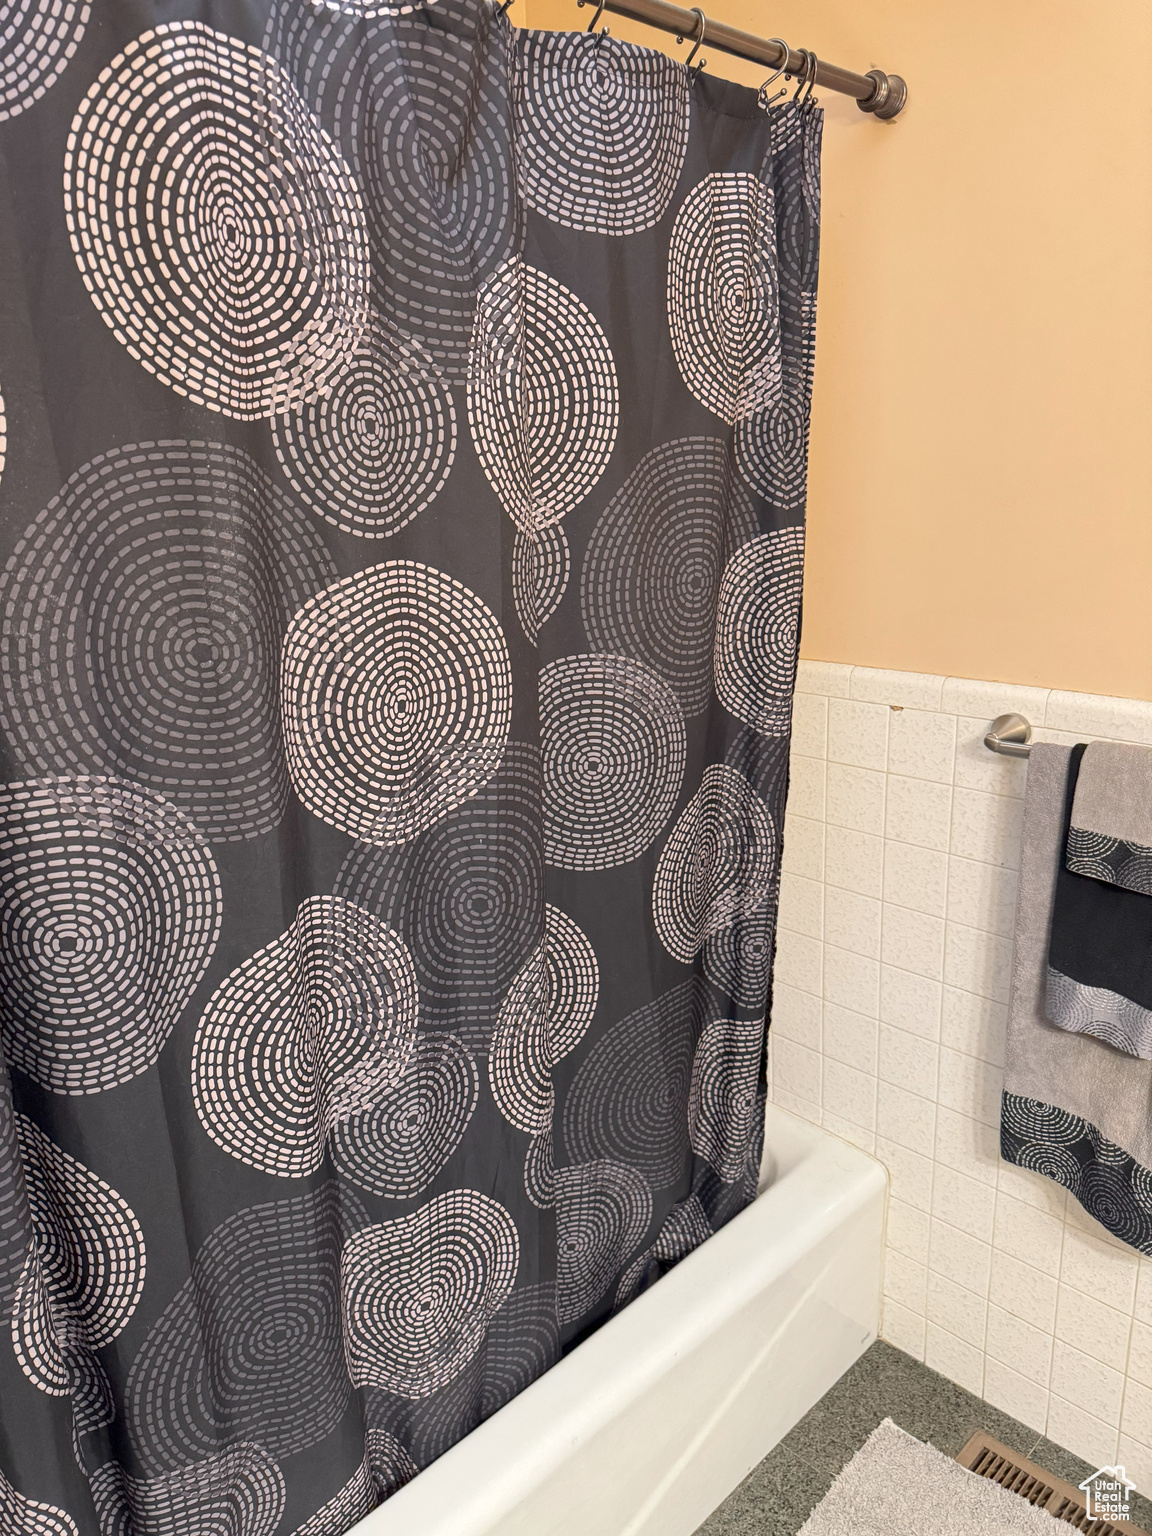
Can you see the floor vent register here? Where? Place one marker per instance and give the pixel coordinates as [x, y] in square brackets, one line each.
[989, 1458]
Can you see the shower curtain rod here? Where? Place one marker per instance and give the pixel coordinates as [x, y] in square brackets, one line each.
[882, 95]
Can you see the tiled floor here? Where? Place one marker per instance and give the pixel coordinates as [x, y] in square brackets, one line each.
[780, 1494]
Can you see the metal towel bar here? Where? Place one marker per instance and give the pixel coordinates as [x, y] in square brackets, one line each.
[1010, 735]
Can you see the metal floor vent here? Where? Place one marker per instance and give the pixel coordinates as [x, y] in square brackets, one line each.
[989, 1458]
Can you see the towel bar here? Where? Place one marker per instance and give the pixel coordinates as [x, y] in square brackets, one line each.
[1010, 735]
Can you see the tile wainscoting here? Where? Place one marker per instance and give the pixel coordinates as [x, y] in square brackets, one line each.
[901, 850]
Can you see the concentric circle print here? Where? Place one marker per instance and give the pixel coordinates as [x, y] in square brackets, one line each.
[738, 959]
[540, 566]
[602, 1214]
[521, 1058]
[771, 447]
[758, 628]
[15, 1219]
[386, 1467]
[240, 1492]
[654, 561]
[718, 864]
[573, 980]
[419, 108]
[722, 1103]
[628, 1102]
[310, 1031]
[540, 1171]
[543, 401]
[420, 1291]
[723, 298]
[603, 130]
[86, 1274]
[467, 896]
[216, 227]
[30, 1517]
[522, 1341]
[146, 606]
[37, 41]
[548, 1008]
[397, 700]
[398, 1144]
[376, 448]
[264, 1362]
[614, 744]
[109, 913]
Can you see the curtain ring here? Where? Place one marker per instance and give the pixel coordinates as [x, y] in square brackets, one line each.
[696, 11]
[762, 98]
[591, 27]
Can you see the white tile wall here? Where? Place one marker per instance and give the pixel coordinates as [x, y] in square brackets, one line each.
[901, 851]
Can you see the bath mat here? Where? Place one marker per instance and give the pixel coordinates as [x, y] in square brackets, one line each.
[896, 1485]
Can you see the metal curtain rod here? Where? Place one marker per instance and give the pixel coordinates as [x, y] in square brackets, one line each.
[882, 95]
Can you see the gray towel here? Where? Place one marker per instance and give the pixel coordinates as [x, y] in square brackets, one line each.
[1111, 834]
[1073, 1108]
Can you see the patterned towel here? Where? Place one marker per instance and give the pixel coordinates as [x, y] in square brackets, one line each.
[1110, 837]
[1073, 1108]
[1099, 979]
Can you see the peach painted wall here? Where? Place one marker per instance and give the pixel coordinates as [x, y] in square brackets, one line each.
[981, 474]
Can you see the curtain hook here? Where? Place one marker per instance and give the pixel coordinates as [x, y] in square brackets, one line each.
[802, 78]
[810, 80]
[696, 11]
[591, 27]
[762, 97]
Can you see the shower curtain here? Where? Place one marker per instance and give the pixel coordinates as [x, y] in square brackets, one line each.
[402, 529]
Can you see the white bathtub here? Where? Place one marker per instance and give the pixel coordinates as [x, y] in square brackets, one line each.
[647, 1426]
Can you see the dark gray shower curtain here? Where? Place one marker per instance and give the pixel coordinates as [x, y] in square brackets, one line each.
[403, 526]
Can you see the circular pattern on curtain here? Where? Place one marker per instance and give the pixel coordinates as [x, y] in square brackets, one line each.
[622, 1104]
[654, 560]
[420, 1291]
[397, 700]
[215, 225]
[32, 1517]
[771, 446]
[521, 1343]
[723, 300]
[419, 112]
[603, 130]
[549, 1006]
[377, 446]
[39, 38]
[738, 959]
[540, 566]
[147, 604]
[543, 399]
[265, 1363]
[312, 1029]
[718, 864]
[602, 1213]
[398, 1143]
[109, 913]
[722, 1099]
[241, 1490]
[614, 747]
[84, 1272]
[758, 630]
[467, 896]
